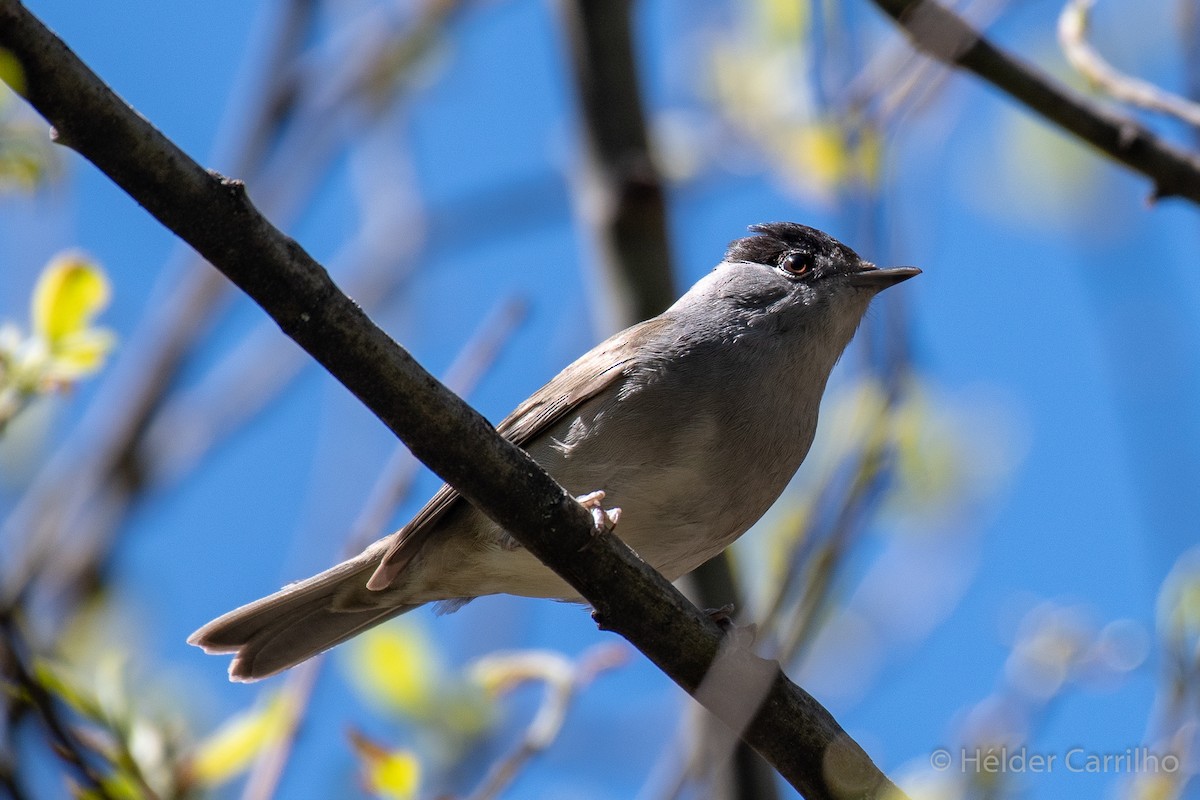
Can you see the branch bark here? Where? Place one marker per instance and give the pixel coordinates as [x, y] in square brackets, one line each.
[215, 216]
[945, 36]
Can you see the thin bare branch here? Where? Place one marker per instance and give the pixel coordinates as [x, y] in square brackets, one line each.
[619, 191]
[1072, 36]
[620, 195]
[88, 487]
[21, 681]
[563, 681]
[945, 36]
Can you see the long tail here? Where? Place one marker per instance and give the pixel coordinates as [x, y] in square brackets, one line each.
[300, 620]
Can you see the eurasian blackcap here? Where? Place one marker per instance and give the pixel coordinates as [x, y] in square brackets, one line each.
[691, 423]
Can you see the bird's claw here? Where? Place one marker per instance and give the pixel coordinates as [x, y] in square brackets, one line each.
[604, 519]
[741, 635]
[723, 616]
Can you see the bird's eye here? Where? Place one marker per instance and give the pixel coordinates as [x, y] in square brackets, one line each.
[796, 263]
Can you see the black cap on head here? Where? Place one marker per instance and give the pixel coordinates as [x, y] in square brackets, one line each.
[772, 240]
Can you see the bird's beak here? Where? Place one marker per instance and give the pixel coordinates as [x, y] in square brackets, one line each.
[870, 276]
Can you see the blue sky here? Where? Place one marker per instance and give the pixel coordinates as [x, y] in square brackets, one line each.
[1053, 329]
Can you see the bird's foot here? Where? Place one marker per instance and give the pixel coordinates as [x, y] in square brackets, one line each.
[742, 635]
[723, 616]
[604, 519]
[599, 619]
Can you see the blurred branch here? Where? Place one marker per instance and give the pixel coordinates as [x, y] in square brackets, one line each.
[1072, 35]
[854, 509]
[897, 78]
[1189, 39]
[945, 36]
[563, 680]
[620, 191]
[275, 101]
[87, 490]
[23, 686]
[192, 422]
[9, 785]
[99, 471]
[268, 767]
[213, 214]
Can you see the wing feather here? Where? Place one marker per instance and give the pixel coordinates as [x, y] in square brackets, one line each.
[587, 377]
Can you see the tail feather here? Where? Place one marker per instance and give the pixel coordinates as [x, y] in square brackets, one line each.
[298, 622]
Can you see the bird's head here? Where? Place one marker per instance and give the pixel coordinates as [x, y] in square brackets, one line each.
[797, 276]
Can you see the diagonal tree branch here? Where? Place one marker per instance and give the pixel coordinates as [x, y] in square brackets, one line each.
[214, 215]
[945, 36]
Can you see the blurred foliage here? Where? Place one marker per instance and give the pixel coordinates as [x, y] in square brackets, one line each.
[1057, 650]
[230, 750]
[387, 774]
[400, 673]
[1037, 177]
[1179, 610]
[893, 456]
[760, 84]
[928, 454]
[1178, 626]
[140, 749]
[63, 346]
[397, 668]
[27, 157]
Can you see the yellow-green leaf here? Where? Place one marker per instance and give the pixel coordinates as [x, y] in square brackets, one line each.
[396, 775]
[229, 750]
[60, 682]
[69, 293]
[11, 71]
[816, 153]
[389, 774]
[396, 665]
[118, 786]
[784, 21]
[79, 354]
[1179, 600]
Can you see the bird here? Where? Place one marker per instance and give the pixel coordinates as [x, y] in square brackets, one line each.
[690, 424]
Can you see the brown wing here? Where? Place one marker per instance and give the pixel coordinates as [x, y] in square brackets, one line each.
[582, 380]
